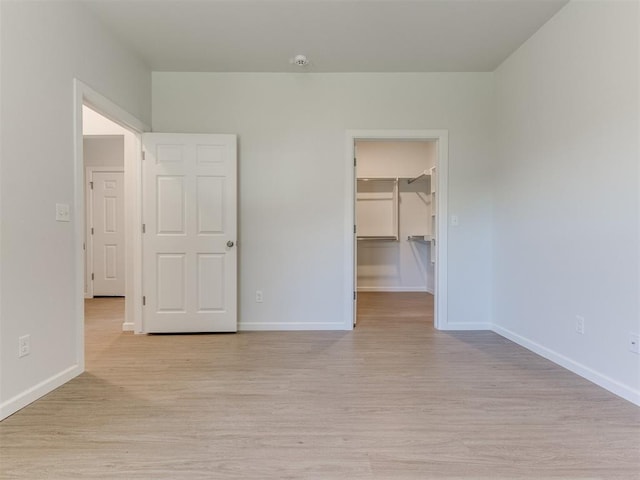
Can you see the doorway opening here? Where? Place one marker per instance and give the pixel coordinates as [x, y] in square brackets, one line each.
[106, 244]
[97, 117]
[397, 206]
[395, 230]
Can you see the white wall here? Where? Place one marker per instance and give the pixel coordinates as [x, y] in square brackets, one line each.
[566, 203]
[103, 150]
[401, 265]
[386, 158]
[292, 161]
[44, 45]
[94, 124]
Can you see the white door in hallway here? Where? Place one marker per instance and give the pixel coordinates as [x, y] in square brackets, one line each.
[190, 224]
[107, 228]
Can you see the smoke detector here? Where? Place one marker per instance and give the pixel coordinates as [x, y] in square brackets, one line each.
[300, 61]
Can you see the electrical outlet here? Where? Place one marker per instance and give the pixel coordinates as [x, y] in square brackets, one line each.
[634, 343]
[259, 297]
[579, 324]
[24, 345]
[455, 220]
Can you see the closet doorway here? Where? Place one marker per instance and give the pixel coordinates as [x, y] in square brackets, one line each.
[399, 242]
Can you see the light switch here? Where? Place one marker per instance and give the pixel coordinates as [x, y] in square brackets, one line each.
[62, 212]
[455, 221]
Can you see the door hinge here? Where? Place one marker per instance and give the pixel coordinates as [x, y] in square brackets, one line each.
[355, 162]
[91, 185]
[144, 300]
[84, 246]
[93, 276]
[354, 295]
[91, 230]
[144, 155]
[354, 229]
[144, 228]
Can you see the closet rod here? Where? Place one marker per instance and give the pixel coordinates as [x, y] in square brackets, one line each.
[423, 174]
[378, 179]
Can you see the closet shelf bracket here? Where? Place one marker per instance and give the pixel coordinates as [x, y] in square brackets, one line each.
[423, 174]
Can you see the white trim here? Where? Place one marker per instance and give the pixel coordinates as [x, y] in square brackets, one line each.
[128, 327]
[133, 164]
[638, 147]
[350, 238]
[598, 378]
[421, 289]
[441, 301]
[290, 326]
[1, 161]
[88, 221]
[32, 394]
[80, 216]
[442, 166]
[468, 326]
[88, 239]
[107, 108]
[85, 95]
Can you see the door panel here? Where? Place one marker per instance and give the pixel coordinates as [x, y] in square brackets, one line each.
[211, 283]
[171, 205]
[108, 238]
[210, 203]
[171, 286]
[189, 252]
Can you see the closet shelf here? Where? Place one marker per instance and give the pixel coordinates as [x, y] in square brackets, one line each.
[390, 238]
[419, 238]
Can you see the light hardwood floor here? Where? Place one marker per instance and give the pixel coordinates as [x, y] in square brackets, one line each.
[394, 399]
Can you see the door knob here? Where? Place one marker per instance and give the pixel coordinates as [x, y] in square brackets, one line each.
[229, 244]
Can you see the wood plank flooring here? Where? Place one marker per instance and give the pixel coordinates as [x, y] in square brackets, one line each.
[394, 399]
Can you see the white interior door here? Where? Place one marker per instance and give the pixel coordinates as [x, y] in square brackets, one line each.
[107, 228]
[190, 224]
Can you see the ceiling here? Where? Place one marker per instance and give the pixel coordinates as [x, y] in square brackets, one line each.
[336, 35]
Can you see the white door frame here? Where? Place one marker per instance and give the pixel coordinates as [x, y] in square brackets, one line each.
[442, 167]
[88, 177]
[85, 95]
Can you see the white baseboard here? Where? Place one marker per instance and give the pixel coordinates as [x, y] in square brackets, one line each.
[392, 289]
[466, 326]
[289, 326]
[128, 327]
[32, 394]
[598, 378]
